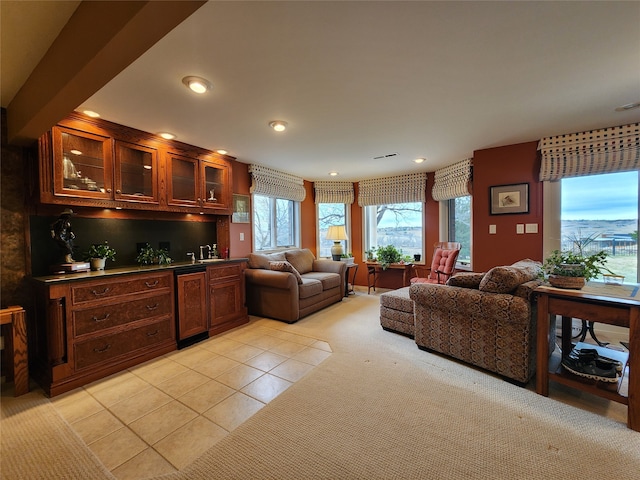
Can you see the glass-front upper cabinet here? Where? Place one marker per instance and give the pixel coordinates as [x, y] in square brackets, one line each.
[216, 180]
[182, 185]
[82, 164]
[136, 173]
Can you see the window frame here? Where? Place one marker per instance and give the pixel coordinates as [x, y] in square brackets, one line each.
[295, 224]
[369, 238]
[347, 225]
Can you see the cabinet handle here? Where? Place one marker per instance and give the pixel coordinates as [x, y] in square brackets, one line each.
[98, 294]
[152, 307]
[118, 191]
[96, 319]
[108, 190]
[153, 334]
[151, 285]
[102, 350]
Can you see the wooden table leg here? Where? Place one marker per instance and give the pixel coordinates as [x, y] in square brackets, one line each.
[542, 353]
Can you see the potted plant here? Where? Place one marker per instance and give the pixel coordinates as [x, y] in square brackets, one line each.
[98, 254]
[371, 254]
[568, 269]
[149, 255]
[347, 258]
[388, 255]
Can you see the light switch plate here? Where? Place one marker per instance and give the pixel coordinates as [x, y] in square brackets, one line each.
[242, 236]
[520, 228]
[531, 228]
[492, 229]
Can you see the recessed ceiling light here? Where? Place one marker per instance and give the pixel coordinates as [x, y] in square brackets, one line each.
[221, 152]
[419, 160]
[278, 125]
[91, 113]
[197, 84]
[628, 106]
[167, 135]
[333, 174]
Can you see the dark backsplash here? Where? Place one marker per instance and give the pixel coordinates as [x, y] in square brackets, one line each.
[122, 235]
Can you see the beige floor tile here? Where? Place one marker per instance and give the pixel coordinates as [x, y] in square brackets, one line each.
[266, 361]
[96, 426]
[239, 376]
[312, 356]
[117, 392]
[190, 441]
[266, 388]
[234, 410]
[108, 382]
[139, 405]
[193, 356]
[216, 366]
[266, 342]
[82, 406]
[156, 425]
[220, 345]
[165, 370]
[295, 338]
[292, 370]
[181, 384]
[243, 353]
[319, 344]
[288, 349]
[147, 464]
[205, 396]
[118, 447]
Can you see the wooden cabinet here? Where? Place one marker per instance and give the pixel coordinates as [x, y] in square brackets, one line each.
[136, 173]
[191, 300]
[227, 307]
[87, 329]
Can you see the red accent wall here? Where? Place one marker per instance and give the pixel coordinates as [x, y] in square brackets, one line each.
[241, 185]
[510, 164]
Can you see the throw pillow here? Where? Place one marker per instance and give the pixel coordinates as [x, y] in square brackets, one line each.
[505, 279]
[302, 259]
[285, 266]
[261, 260]
[466, 280]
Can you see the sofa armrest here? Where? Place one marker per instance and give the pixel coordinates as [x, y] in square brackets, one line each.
[271, 278]
[329, 266]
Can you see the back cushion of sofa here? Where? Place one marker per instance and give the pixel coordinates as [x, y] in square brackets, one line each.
[301, 259]
[505, 279]
[259, 260]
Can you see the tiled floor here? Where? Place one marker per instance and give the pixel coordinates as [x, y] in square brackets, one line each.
[159, 416]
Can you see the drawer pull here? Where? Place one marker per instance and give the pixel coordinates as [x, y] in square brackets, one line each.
[153, 307]
[99, 294]
[153, 334]
[151, 285]
[96, 319]
[102, 350]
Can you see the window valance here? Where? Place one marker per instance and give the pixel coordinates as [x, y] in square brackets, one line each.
[608, 150]
[274, 183]
[453, 181]
[334, 192]
[400, 189]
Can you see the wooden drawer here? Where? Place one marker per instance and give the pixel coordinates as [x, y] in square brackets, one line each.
[90, 320]
[224, 273]
[109, 347]
[103, 289]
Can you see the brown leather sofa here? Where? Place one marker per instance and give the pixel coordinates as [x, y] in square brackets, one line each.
[292, 284]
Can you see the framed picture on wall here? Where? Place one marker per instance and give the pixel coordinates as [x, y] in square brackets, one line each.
[509, 198]
[241, 209]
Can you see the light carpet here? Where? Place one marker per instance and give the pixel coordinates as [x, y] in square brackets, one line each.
[378, 408]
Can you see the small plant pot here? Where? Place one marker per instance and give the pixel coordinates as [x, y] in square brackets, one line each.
[560, 281]
[348, 260]
[98, 263]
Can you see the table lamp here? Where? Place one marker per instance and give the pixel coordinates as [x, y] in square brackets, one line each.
[336, 233]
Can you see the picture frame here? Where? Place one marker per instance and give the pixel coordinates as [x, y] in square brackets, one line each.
[509, 199]
[241, 209]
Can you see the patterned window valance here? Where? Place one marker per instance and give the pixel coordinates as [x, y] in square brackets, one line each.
[400, 189]
[608, 150]
[273, 183]
[453, 181]
[334, 192]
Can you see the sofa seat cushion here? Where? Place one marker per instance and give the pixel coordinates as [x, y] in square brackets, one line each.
[329, 280]
[260, 260]
[505, 279]
[309, 287]
[301, 258]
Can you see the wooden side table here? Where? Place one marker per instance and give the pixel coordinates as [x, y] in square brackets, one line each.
[350, 291]
[374, 269]
[15, 320]
[594, 304]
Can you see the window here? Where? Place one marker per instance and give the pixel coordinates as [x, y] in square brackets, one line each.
[398, 224]
[459, 226]
[275, 223]
[331, 214]
[601, 211]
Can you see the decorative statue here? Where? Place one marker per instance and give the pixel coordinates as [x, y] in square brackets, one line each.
[63, 235]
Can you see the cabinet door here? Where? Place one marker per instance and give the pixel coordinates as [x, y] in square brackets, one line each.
[183, 189]
[192, 304]
[216, 180]
[225, 301]
[82, 165]
[136, 173]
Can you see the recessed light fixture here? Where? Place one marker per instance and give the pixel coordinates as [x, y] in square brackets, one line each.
[333, 174]
[91, 113]
[419, 160]
[628, 106]
[221, 152]
[197, 84]
[167, 135]
[278, 125]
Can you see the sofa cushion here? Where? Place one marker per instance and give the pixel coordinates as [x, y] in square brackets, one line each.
[284, 266]
[301, 258]
[329, 280]
[309, 288]
[466, 280]
[505, 279]
[261, 260]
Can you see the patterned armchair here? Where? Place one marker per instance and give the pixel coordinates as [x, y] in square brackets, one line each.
[485, 319]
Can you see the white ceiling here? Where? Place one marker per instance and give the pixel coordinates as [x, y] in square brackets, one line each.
[357, 80]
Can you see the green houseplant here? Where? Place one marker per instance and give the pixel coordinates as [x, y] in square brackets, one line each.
[567, 269]
[388, 255]
[149, 255]
[98, 253]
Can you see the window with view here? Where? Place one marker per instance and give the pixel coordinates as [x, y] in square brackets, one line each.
[330, 214]
[275, 223]
[600, 212]
[460, 226]
[398, 224]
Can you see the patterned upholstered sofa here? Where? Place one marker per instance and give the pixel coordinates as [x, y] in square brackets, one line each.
[485, 319]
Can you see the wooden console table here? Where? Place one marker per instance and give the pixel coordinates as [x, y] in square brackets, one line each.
[595, 303]
[374, 269]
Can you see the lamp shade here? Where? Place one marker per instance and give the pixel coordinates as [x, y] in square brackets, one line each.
[336, 232]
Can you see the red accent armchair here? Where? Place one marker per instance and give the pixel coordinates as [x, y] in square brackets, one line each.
[443, 264]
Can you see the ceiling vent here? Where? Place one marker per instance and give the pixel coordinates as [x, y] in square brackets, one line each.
[385, 156]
